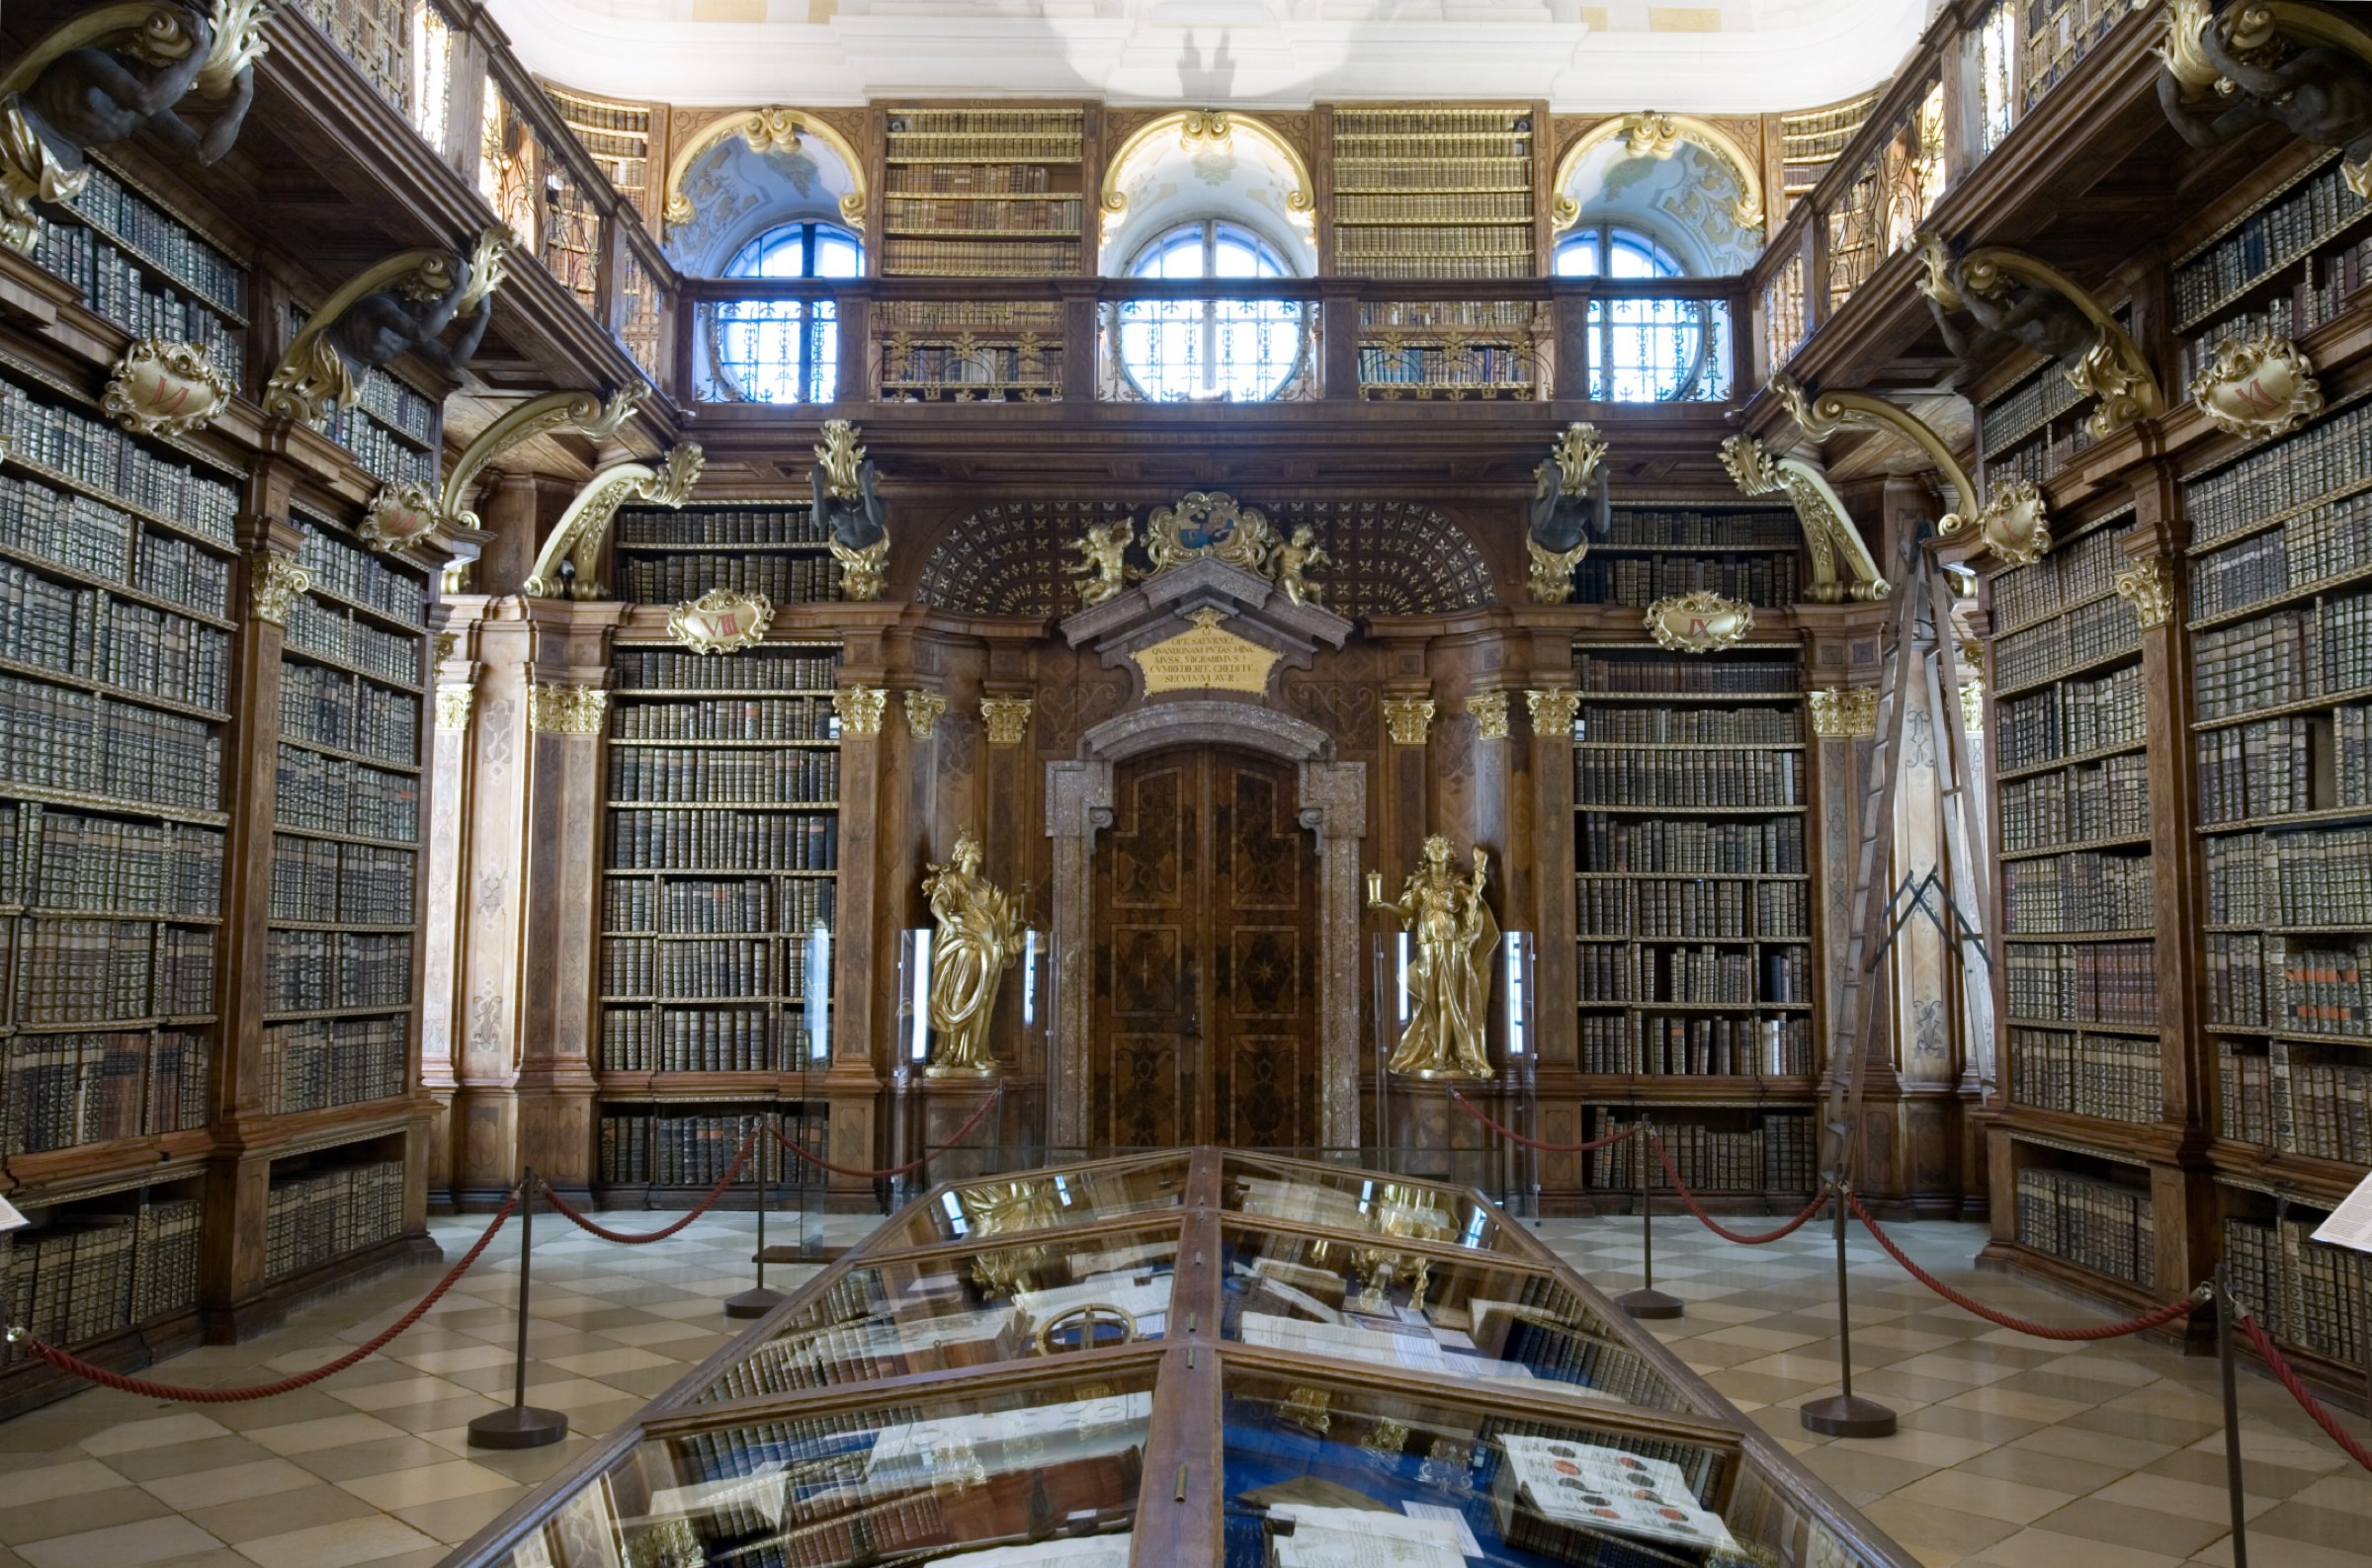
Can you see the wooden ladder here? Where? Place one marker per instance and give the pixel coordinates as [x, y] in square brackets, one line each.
[1921, 633]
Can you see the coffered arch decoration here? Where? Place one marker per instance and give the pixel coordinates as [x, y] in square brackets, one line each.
[1384, 558]
[1673, 175]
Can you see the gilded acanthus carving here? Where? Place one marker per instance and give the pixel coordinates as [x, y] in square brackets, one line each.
[2257, 386]
[861, 709]
[923, 713]
[1407, 719]
[1570, 509]
[1699, 622]
[597, 419]
[1828, 531]
[575, 541]
[166, 388]
[2304, 68]
[1488, 710]
[400, 514]
[1006, 719]
[401, 305]
[453, 705]
[1553, 712]
[721, 621]
[553, 708]
[2147, 585]
[2014, 525]
[277, 582]
[849, 509]
[106, 73]
[1848, 712]
[2017, 300]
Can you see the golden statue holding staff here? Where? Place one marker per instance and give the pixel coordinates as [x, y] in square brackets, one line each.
[1449, 982]
[978, 935]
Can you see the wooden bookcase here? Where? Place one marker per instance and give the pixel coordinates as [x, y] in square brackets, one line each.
[984, 191]
[1435, 192]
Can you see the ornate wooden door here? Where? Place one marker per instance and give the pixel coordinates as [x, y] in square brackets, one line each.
[1205, 913]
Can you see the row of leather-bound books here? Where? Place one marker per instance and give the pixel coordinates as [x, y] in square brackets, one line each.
[2082, 982]
[315, 1216]
[2107, 799]
[2106, 1226]
[2116, 1077]
[2307, 1292]
[2272, 1096]
[103, 1268]
[1774, 1154]
[2084, 891]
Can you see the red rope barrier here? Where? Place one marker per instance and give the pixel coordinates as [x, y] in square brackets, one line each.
[1673, 1174]
[595, 1227]
[2305, 1396]
[67, 1361]
[914, 1164]
[1513, 1136]
[2156, 1317]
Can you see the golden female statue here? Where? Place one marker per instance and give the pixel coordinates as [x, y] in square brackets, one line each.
[978, 935]
[1449, 982]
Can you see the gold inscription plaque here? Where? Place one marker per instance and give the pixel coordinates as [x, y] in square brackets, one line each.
[1205, 659]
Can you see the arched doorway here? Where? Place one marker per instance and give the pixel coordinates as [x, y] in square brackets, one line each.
[1205, 955]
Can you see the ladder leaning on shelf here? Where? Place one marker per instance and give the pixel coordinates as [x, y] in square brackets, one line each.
[1920, 634]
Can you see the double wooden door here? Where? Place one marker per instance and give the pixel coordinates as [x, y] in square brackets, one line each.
[1204, 921]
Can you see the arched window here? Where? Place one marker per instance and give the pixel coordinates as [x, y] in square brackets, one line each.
[1607, 250]
[1209, 350]
[1644, 350]
[785, 351]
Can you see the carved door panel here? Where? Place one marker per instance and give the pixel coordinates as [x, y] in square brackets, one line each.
[1205, 918]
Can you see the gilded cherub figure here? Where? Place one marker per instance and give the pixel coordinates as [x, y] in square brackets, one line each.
[1102, 565]
[1294, 558]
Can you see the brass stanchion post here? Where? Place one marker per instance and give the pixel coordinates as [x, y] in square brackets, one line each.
[1647, 1302]
[1846, 1415]
[522, 1425]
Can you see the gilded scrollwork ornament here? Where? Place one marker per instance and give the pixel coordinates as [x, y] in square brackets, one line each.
[923, 713]
[585, 414]
[1005, 718]
[275, 585]
[567, 566]
[2257, 386]
[1489, 710]
[1553, 712]
[401, 516]
[1702, 621]
[860, 708]
[2305, 68]
[1569, 510]
[2149, 588]
[854, 517]
[557, 708]
[721, 621]
[454, 699]
[404, 304]
[1409, 719]
[161, 387]
[2015, 300]
[1844, 712]
[1828, 531]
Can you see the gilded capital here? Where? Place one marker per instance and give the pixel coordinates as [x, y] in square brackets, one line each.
[923, 713]
[1848, 712]
[861, 709]
[1409, 719]
[1006, 719]
[1553, 710]
[2146, 587]
[1489, 711]
[453, 705]
[556, 709]
[278, 581]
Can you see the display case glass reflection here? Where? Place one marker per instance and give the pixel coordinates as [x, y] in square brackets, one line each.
[1002, 1205]
[1048, 1293]
[1352, 1199]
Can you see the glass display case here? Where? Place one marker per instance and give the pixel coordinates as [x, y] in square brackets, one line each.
[1195, 1357]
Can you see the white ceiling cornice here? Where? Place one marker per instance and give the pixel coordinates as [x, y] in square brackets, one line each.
[1773, 54]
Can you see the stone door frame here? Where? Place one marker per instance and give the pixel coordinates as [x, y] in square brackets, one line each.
[1332, 804]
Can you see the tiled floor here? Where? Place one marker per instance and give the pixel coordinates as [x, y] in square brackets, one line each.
[2013, 1453]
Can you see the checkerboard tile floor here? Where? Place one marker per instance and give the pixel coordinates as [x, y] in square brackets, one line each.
[2013, 1453]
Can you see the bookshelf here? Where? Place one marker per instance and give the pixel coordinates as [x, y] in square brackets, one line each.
[116, 680]
[2291, 262]
[770, 547]
[392, 432]
[617, 134]
[1814, 138]
[1694, 972]
[1748, 553]
[2279, 619]
[339, 960]
[2033, 427]
[721, 857]
[1434, 193]
[984, 191]
[147, 270]
[2083, 1053]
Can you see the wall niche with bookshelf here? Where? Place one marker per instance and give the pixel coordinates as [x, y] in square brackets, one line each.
[773, 547]
[982, 192]
[1695, 964]
[719, 897]
[1434, 193]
